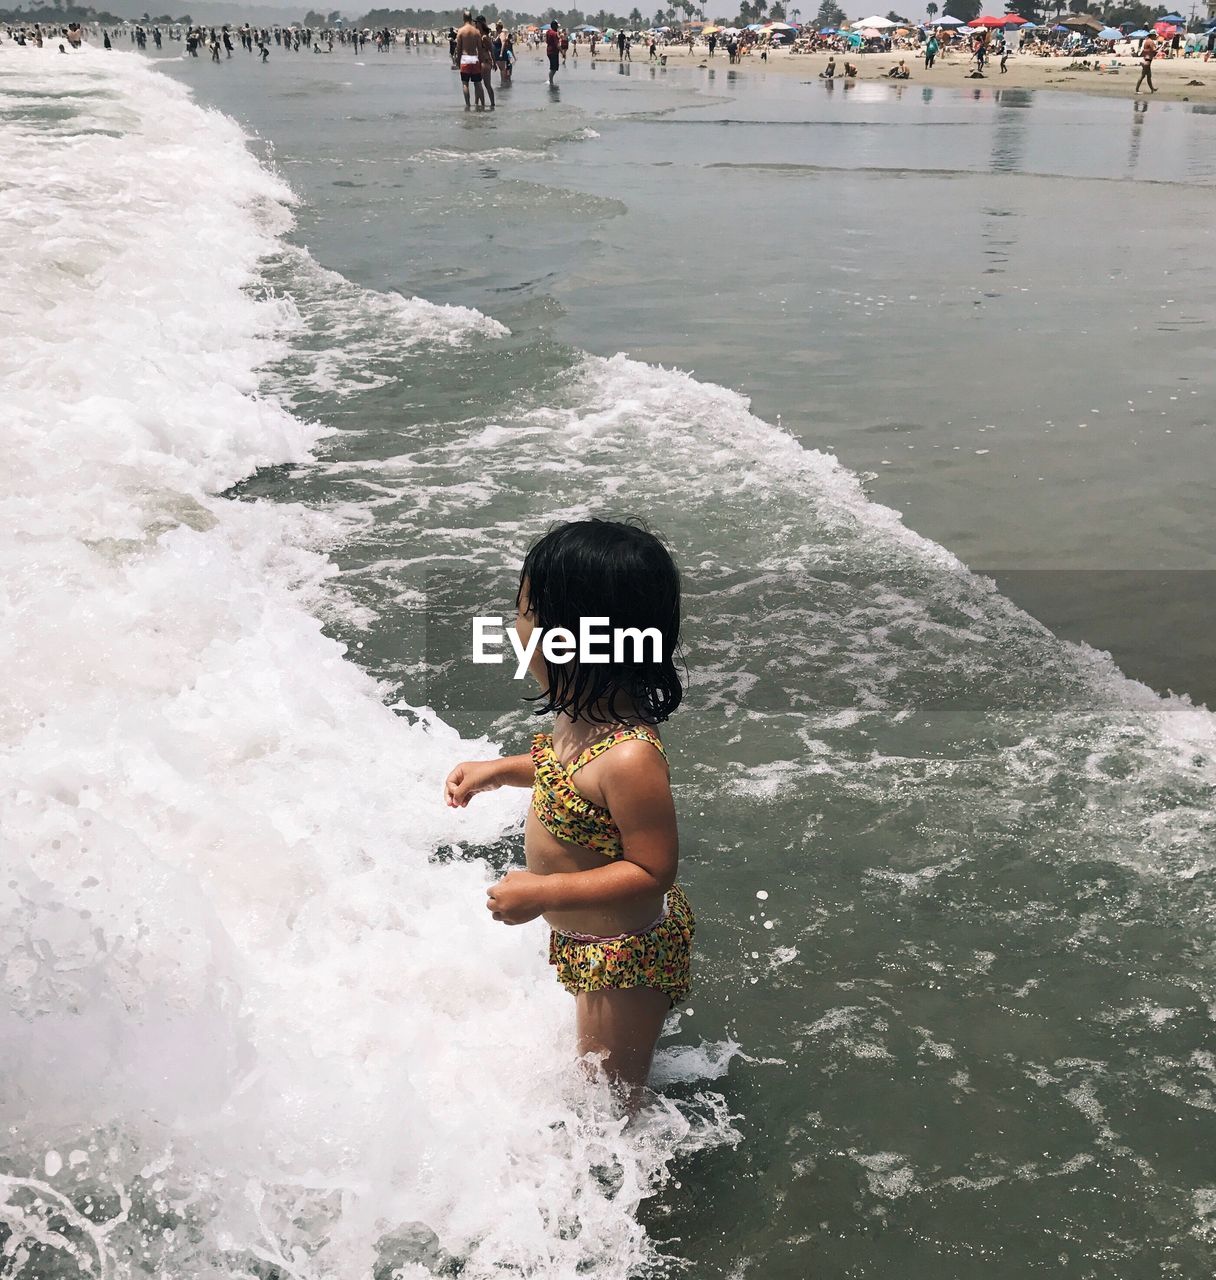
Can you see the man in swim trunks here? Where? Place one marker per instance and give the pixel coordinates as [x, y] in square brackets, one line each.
[468, 51]
[553, 46]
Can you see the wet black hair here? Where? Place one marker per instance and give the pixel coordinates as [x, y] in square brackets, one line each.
[617, 570]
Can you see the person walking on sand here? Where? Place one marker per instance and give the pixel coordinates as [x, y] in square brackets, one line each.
[931, 48]
[553, 46]
[468, 50]
[1148, 51]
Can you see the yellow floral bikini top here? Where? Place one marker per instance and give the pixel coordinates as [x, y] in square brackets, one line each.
[565, 813]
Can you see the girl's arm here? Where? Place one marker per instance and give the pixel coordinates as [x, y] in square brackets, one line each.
[474, 776]
[637, 791]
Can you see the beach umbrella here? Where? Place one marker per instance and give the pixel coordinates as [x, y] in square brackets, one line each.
[1137, 35]
[988, 21]
[781, 26]
[879, 24]
[1175, 19]
[1110, 33]
[1015, 20]
[946, 21]
[1082, 22]
[870, 34]
[1163, 28]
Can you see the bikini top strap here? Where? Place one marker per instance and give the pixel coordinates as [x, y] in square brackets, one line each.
[638, 732]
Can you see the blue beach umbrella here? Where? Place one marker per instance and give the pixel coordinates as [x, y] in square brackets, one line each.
[1110, 33]
[1137, 35]
[1174, 19]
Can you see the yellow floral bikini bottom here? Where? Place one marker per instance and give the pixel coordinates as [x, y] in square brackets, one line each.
[659, 957]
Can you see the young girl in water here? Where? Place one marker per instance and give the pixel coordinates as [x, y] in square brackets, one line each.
[600, 840]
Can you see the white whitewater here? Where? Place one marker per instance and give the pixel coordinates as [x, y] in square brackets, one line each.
[247, 1023]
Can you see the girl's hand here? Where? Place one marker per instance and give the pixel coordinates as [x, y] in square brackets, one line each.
[516, 898]
[469, 779]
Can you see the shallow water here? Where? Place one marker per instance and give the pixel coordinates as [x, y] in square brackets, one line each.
[973, 297]
[953, 875]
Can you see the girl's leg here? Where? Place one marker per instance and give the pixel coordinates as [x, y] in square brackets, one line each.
[625, 1025]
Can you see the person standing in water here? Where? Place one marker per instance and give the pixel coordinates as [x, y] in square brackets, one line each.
[601, 842]
[468, 50]
[553, 46]
[487, 59]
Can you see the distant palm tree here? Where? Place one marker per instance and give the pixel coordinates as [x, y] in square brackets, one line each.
[635, 18]
[930, 9]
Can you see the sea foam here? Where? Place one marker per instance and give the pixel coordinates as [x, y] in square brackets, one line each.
[247, 1021]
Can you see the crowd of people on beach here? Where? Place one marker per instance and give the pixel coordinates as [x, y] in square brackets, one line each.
[478, 52]
[221, 41]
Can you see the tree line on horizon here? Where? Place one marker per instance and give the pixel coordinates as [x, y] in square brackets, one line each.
[829, 14]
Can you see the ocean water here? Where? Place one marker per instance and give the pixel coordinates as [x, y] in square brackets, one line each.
[285, 400]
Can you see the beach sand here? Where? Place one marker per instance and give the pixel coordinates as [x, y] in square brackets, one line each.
[1117, 78]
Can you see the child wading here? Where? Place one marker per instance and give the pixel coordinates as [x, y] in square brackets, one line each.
[600, 841]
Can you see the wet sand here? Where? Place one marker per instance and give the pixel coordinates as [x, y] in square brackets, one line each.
[1117, 78]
